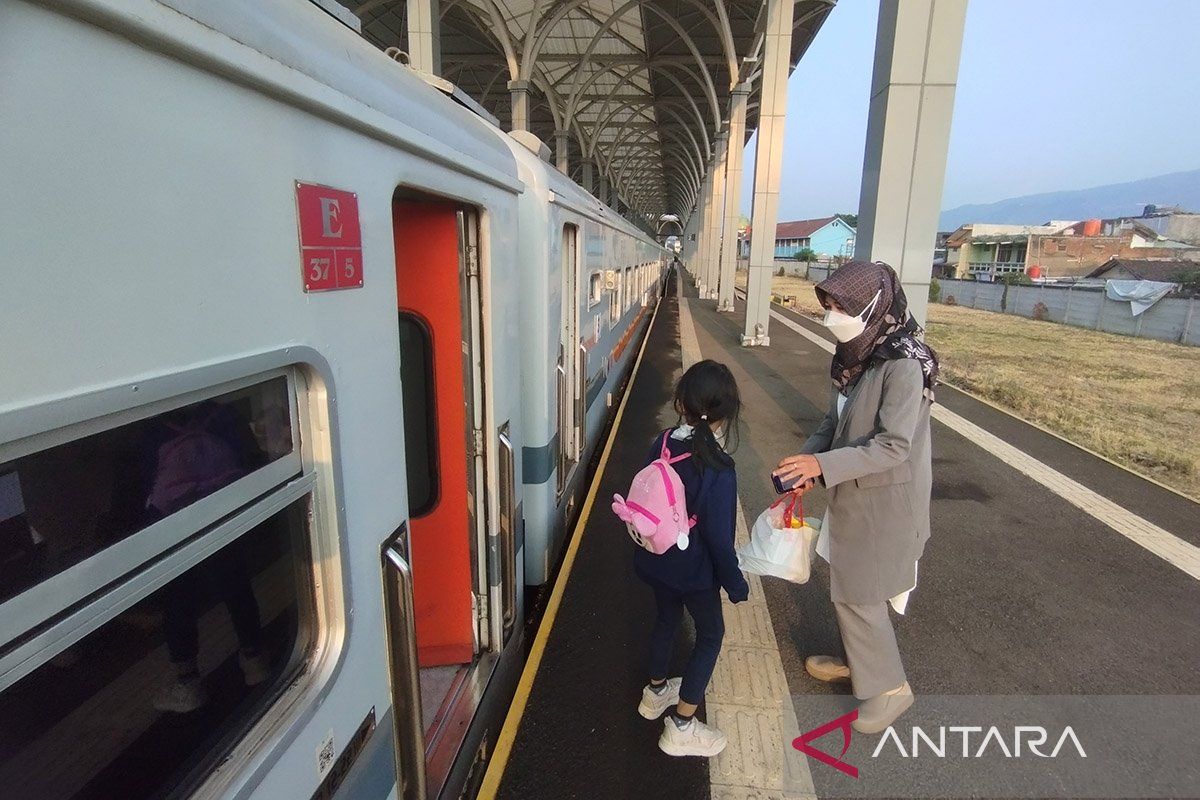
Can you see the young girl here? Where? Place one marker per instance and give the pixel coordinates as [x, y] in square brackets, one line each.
[707, 401]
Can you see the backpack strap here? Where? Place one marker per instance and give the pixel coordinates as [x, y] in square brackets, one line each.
[665, 452]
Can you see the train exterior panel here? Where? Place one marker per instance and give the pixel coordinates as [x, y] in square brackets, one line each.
[220, 423]
[588, 279]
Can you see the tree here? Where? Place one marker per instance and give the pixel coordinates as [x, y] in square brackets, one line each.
[1189, 279]
[849, 219]
[806, 254]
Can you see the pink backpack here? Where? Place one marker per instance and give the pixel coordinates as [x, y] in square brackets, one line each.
[193, 464]
[655, 512]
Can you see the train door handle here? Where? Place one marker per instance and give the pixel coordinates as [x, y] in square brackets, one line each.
[508, 526]
[409, 740]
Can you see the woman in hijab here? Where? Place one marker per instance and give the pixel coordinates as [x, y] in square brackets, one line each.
[871, 452]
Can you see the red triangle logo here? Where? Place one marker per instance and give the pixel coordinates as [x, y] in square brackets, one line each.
[801, 743]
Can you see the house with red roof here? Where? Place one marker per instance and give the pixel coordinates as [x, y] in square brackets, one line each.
[826, 236]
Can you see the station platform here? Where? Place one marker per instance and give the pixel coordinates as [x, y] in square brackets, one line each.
[1050, 571]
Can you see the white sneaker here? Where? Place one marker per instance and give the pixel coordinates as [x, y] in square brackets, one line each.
[655, 703]
[693, 739]
[180, 696]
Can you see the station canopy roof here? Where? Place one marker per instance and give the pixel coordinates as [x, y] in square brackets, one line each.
[641, 87]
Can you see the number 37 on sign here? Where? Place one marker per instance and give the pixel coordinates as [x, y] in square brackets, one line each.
[330, 238]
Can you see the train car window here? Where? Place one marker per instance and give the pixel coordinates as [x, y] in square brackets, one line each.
[595, 288]
[420, 415]
[148, 704]
[66, 503]
[628, 287]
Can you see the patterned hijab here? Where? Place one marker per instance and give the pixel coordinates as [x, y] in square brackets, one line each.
[891, 331]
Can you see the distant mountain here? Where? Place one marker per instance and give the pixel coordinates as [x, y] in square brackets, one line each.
[1114, 200]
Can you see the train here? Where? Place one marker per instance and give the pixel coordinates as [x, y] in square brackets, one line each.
[304, 361]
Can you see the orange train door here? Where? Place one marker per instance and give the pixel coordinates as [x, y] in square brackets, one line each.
[440, 385]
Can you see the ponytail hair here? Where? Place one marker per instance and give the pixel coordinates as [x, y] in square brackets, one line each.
[705, 394]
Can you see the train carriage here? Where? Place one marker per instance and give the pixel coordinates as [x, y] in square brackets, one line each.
[588, 280]
[270, 484]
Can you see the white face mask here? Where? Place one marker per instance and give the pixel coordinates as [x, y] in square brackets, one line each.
[845, 327]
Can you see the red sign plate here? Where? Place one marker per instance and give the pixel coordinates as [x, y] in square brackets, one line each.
[330, 238]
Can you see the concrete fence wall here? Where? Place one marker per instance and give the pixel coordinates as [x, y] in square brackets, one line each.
[1172, 319]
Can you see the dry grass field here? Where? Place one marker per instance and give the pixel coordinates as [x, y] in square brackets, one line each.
[1136, 401]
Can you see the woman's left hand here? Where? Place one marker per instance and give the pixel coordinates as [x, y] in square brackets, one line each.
[801, 468]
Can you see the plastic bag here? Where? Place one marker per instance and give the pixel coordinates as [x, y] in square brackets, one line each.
[782, 543]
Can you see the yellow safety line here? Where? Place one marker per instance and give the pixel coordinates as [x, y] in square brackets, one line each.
[508, 734]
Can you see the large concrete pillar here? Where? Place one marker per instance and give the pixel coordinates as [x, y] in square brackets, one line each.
[917, 48]
[519, 91]
[696, 266]
[424, 36]
[687, 253]
[562, 150]
[588, 174]
[712, 255]
[733, 195]
[768, 162]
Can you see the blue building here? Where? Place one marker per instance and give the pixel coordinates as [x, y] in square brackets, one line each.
[827, 237]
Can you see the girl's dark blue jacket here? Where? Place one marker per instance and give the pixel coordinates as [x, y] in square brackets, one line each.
[709, 560]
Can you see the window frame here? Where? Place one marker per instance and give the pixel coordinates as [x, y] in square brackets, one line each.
[595, 288]
[316, 432]
[53, 596]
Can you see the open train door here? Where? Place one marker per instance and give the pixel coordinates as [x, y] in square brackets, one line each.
[439, 309]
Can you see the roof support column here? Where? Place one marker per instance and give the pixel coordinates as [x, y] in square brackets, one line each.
[703, 232]
[733, 195]
[712, 247]
[588, 175]
[602, 189]
[687, 252]
[917, 48]
[519, 91]
[562, 149]
[768, 162]
[424, 36]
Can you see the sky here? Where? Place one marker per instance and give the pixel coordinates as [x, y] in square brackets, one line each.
[1052, 95]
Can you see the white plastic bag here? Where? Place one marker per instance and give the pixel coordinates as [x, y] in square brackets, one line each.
[778, 550]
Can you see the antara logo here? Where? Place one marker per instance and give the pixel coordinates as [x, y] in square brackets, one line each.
[1030, 737]
[801, 743]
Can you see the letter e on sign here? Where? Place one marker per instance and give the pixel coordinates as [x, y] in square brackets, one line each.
[330, 238]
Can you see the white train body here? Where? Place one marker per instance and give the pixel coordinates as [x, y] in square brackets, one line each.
[155, 159]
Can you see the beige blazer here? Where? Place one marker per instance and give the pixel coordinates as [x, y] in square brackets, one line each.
[875, 463]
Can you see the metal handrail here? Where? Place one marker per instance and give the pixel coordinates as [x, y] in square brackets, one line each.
[409, 740]
[508, 526]
[563, 456]
[581, 400]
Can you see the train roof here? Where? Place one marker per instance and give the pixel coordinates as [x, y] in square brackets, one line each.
[541, 176]
[303, 38]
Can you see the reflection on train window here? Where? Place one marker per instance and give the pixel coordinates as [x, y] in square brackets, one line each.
[64, 504]
[629, 287]
[420, 432]
[148, 704]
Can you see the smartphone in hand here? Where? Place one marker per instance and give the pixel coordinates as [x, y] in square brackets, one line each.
[782, 487]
